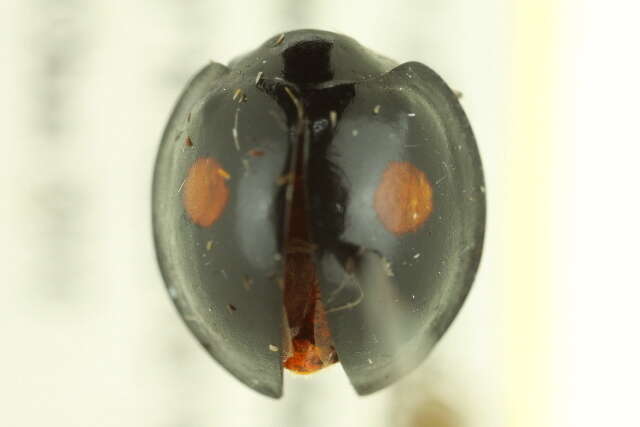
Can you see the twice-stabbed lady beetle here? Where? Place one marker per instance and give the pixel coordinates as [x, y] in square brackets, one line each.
[315, 202]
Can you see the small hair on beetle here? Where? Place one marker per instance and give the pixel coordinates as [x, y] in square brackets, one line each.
[279, 40]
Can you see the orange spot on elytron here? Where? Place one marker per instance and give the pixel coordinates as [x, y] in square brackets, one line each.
[205, 193]
[404, 198]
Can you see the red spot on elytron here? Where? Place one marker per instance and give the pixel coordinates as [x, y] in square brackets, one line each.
[205, 193]
[188, 142]
[404, 198]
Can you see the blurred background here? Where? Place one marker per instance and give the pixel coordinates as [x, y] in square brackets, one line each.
[548, 336]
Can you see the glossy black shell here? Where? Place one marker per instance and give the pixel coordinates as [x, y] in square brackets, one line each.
[389, 297]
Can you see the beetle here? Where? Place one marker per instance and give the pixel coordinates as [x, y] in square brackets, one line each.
[314, 202]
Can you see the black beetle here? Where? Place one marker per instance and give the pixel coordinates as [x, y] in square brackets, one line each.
[315, 202]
